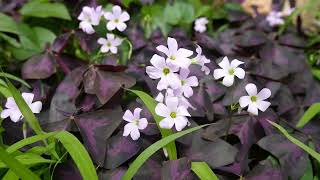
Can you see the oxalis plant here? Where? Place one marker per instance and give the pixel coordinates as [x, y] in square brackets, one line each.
[170, 109]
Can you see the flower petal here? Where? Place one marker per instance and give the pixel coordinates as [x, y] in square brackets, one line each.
[251, 89]
[228, 80]
[172, 103]
[235, 63]
[166, 123]
[244, 101]
[124, 17]
[135, 134]
[163, 49]
[182, 52]
[5, 113]
[173, 80]
[102, 41]
[180, 122]
[108, 16]
[113, 50]
[159, 97]
[15, 116]
[263, 105]
[172, 45]
[143, 123]
[252, 108]
[162, 110]
[162, 84]
[28, 97]
[224, 64]
[111, 25]
[193, 81]
[158, 61]
[104, 49]
[136, 113]
[121, 26]
[219, 73]
[183, 73]
[153, 73]
[187, 91]
[36, 107]
[11, 103]
[239, 72]
[182, 111]
[128, 116]
[116, 10]
[264, 94]
[127, 129]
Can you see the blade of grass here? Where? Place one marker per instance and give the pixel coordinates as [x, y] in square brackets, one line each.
[203, 171]
[137, 163]
[10, 76]
[295, 141]
[16, 146]
[151, 105]
[311, 112]
[28, 159]
[19, 169]
[79, 155]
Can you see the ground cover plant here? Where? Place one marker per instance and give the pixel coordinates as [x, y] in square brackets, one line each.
[155, 89]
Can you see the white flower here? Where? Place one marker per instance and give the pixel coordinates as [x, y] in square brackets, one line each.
[200, 24]
[89, 17]
[135, 123]
[255, 100]
[186, 83]
[110, 44]
[178, 57]
[116, 19]
[174, 93]
[274, 18]
[173, 113]
[163, 71]
[13, 110]
[201, 60]
[228, 71]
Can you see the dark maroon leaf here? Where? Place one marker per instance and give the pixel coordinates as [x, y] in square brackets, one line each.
[135, 34]
[151, 169]
[265, 170]
[290, 39]
[237, 16]
[214, 89]
[67, 171]
[95, 128]
[39, 67]
[284, 100]
[287, 153]
[111, 68]
[114, 174]
[179, 169]
[119, 150]
[263, 119]
[312, 94]
[105, 84]
[216, 153]
[251, 38]
[87, 42]
[60, 42]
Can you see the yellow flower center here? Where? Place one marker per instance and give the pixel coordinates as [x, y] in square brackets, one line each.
[253, 98]
[166, 71]
[173, 115]
[231, 71]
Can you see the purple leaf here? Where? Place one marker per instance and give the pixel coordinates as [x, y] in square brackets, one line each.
[105, 84]
[61, 42]
[119, 150]
[151, 169]
[293, 40]
[179, 169]
[251, 38]
[67, 171]
[114, 174]
[95, 128]
[265, 171]
[293, 160]
[39, 67]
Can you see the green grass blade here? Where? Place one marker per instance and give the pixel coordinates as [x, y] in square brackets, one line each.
[137, 163]
[25, 110]
[10, 76]
[16, 146]
[29, 160]
[203, 171]
[79, 155]
[19, 169]
[151, 105]
[10, 175]
[295, 141]
[311, 112]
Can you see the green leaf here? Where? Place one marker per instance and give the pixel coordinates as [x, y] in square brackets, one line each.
[7, 24]
[44, 36]
[79, 155]
[10, 76]
[25, 110]
[30, 140]
[172, 14]
[311, 112]
[19, 169]
[203, 171]
[12, 41]
[151, 105]
[28, 159]
[316, 73]
[308, 174]
[45, 9]
[10, 175]
[126, 51]
[137, 163]
[295, 141]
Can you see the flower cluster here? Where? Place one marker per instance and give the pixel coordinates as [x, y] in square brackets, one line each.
[116, 19]
[254, 100]
[200, 24]
[275, 18]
